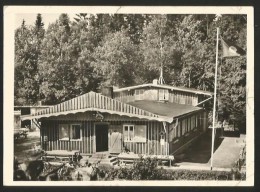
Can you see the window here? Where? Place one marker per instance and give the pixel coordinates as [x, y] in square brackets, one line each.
[163, 94]
[139, 94]
[75, 132]
[64, 132]
[69, 132]
[135, 133]
[128, 132]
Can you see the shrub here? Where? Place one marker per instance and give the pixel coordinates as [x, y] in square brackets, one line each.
[146, 169]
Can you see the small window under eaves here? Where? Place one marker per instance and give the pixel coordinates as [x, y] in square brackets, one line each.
[163, 94]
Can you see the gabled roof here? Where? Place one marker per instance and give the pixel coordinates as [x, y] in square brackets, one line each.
[165, 109]
[95, 102]
[190, 90]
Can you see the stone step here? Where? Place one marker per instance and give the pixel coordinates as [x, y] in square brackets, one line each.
[106, 161]
[100, 156]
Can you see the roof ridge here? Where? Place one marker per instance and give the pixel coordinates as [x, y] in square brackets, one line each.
[96, 101]
[185, 89]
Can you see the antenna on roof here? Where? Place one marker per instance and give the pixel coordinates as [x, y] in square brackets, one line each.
[161, 80]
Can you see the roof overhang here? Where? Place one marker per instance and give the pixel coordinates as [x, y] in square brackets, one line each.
[165, 87]
[158, 118]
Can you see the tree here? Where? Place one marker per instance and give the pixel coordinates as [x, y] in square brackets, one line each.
[232, 83]
[57, 63]
[38, 23]
[197, 58]
[80, 17]
[134, 26]
[115, 60]
[84, 41]
[159, 50]
[232, 90]
[27, 52]
[72, 58]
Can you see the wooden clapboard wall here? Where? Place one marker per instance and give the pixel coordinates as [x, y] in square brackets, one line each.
[180, 97]
[183, 98]
[185, 129]
[51, 130]
[87, 144]
[152, 145]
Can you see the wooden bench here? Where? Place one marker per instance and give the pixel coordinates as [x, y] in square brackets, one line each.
[131, 157]
[61, 155]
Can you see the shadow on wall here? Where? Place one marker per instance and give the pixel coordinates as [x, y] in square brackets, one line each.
[200, 150]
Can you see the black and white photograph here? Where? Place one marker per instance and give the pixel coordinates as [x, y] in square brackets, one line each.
[128, 96]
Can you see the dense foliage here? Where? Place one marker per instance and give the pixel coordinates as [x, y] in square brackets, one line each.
[72, 57]
[142, 169]
[147, 169]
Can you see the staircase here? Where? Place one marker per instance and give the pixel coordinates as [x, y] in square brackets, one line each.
[103, 158]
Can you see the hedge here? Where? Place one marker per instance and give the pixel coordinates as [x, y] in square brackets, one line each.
[146, 169]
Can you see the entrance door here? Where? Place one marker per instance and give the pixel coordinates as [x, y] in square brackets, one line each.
[115, 141]
[101, 137]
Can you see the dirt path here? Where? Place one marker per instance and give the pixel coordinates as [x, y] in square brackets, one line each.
[226, 152]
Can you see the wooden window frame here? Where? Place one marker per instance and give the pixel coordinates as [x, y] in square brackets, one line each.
[128, 134]
[139, 94]
[70, 129]
[80, 139]
[128, 131]
[164, 92]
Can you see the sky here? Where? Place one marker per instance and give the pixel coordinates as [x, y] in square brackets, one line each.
[30, 18]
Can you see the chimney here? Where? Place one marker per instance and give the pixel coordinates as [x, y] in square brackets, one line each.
[38, 103]
[155, 82]
[107, 91]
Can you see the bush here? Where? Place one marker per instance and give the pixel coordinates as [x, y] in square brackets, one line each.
[146, 169]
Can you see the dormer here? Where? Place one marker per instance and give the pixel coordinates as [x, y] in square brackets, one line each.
[161, 93]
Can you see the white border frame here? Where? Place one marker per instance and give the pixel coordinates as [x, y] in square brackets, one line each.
[9, 18]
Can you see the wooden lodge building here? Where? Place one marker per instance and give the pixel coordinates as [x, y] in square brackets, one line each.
[151, 119]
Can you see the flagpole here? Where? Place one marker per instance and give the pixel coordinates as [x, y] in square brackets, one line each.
[214, 105]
